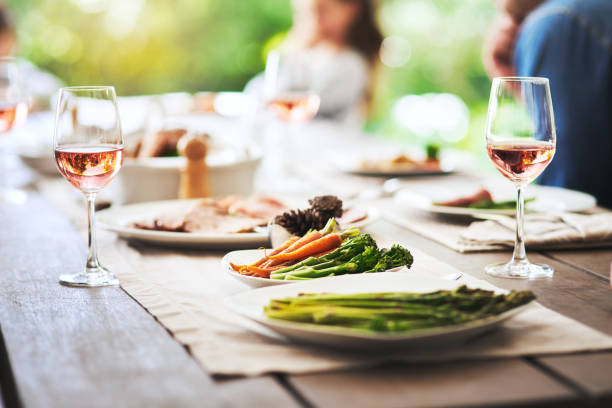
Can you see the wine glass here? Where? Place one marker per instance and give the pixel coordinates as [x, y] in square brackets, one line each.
[89, 153]
[13, 112]
[289, 95]
[521, 140]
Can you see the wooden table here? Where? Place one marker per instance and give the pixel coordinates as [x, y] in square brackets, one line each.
[66, 347]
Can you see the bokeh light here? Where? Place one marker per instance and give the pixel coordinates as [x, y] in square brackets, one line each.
[433, 115]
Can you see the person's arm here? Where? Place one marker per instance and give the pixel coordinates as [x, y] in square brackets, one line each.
[344, 86]
[518, 10]
[571, 48]
[498, 49]
[548, 43]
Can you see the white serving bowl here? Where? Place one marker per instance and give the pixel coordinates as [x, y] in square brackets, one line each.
[157, 178]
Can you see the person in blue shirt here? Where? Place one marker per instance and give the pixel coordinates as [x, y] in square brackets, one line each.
[569, 42]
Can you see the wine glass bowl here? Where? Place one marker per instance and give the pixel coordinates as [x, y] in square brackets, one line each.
[13, 112]
[294, 107]
[289, 95]
[88, 152]
[288, 88]
[520, 141]
[13, 97]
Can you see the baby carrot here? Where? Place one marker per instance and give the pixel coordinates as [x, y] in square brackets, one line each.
[320, 245]
[320, 254]
[262, 272]
[305, 240]
[237, 268]
[278, 250]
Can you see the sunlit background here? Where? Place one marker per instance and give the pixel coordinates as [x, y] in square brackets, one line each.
[431, 86]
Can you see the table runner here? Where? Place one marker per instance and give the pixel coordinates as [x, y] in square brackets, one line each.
[448, 229]
[185, 290]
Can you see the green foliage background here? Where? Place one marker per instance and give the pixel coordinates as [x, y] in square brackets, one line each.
[214, 45]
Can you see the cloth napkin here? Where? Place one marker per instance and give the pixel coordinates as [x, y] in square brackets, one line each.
[543, 230]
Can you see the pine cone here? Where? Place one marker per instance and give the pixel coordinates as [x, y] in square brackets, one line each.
[327, 204]
[299, 222]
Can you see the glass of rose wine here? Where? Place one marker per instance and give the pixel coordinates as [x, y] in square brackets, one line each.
[89, 153]
[521, 141]
[13, 112]
[289, 96]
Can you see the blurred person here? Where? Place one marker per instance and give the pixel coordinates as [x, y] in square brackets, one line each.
[339, 41]
[569, 42]
[39, 85]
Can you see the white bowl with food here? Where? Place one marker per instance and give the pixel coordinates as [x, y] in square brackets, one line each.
[152, 170]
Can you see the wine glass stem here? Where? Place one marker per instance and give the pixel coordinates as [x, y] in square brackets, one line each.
[519, 243]
[92, 257]
[288, 146]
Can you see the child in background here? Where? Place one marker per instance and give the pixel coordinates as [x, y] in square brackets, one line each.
[339, 42]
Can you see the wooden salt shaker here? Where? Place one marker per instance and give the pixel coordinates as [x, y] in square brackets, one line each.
[195, 182]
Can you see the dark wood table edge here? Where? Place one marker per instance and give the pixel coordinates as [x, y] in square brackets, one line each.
[8, 385]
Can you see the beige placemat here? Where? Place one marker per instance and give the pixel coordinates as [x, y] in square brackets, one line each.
[185, 292]
[448, 230]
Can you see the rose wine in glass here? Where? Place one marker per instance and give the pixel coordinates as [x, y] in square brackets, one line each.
[295, 107]
[89, 168]
[289, 96]
[88, 153]
[521, 140]
[13, 112]
[521, 161]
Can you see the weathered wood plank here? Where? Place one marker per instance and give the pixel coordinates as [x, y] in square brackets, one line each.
[71, 347]
[596, 261]
[8, 389]
[476, 383]
[592, 372]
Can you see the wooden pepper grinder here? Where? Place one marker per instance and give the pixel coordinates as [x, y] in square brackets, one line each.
[195, 182]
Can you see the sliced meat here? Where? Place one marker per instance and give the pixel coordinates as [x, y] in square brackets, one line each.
[230, 214]
[170, 222]
[205, 218]
[482, 194]
[352, 215]
[162, 143]
[257, 206]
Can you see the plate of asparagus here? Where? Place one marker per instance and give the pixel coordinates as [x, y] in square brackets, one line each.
[317, 254]
[378, 311]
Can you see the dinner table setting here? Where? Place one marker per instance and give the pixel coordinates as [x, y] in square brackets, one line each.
[210, 250]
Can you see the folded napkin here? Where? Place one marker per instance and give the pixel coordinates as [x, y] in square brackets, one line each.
[543, 230]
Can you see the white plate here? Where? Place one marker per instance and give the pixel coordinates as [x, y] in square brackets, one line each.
[546, 199]
[117, 219]
[251, 303]
[352, 166]
[249, 256]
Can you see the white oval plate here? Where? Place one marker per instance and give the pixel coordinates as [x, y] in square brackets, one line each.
[247, 257]
[546, 199]
[251, 303]
[351, 166]
[117, 219]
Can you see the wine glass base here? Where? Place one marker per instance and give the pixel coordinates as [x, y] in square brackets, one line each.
[520, 270]
[91, 278]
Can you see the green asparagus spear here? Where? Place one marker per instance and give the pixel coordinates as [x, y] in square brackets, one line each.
[396, 311]
[359, 263]
[348, 250]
